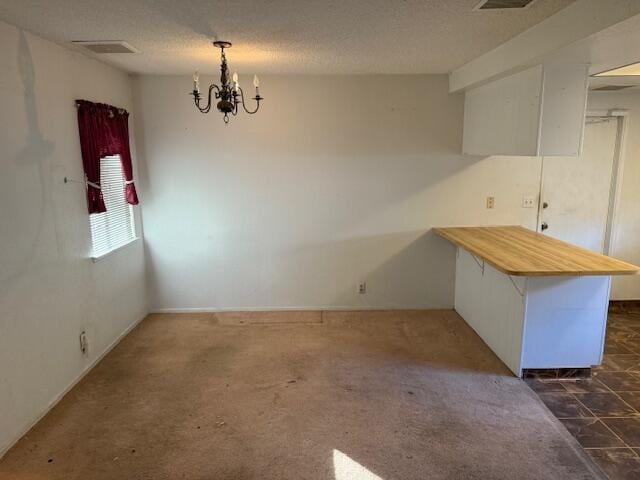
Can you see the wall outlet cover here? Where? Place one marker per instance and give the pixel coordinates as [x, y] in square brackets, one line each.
[491, 202]
[362, 288]
[528, 202]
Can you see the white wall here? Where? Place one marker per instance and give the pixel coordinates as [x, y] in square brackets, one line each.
[337, 179]
[49, 288]
[626, 231]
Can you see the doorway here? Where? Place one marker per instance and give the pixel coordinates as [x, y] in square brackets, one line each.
[578, 194]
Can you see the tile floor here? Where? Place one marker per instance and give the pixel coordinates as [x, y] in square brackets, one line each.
[603, 412]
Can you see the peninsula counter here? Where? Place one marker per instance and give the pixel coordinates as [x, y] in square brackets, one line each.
[538, 302]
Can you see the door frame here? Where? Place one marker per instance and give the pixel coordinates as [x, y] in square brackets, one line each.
[622, 118]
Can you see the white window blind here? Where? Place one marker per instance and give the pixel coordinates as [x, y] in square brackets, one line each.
[114, 228]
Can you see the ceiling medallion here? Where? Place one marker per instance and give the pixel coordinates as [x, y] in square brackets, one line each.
[229, 94]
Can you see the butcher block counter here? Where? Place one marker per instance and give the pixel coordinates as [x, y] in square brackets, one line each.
[538, 302]
[519, 251]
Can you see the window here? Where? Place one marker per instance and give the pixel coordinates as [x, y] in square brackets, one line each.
[114, 228]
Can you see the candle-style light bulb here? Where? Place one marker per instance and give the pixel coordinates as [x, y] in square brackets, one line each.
[256, 81]
[196, 81]
[235, 81]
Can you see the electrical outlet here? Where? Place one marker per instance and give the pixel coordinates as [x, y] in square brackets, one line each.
[362, 288]
[84, 343]
[491, 202]
[528, 202]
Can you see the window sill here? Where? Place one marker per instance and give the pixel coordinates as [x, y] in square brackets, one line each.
[111, 252]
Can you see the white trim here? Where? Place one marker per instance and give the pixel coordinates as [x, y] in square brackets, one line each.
[73, 383]
[523, 333]
[606, 319]
[117, 249]
[325, 308]
[613, 112]
[583, 127]
[616, 183]
[540, 190]
[543, 76]
[622, 116]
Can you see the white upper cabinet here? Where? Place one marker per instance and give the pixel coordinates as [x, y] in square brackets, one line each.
[539, 111]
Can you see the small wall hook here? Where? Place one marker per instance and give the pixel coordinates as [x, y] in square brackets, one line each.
[70, 180]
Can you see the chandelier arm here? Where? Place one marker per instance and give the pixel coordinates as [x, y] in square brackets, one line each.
[235, 104]
[202, 109]
[257, 99]
[207, 108]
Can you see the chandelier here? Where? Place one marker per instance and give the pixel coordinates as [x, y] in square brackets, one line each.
[229, 94]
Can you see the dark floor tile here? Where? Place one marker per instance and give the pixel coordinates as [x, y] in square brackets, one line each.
[616, 306]
[632, 398]
[615, 347]
[626, 337]
[627, 320]
[540, 373]
[574, 373]
[622, 327]
[564, 405]
[628, 429]
[547, 386]
[620, 381]
[615, 328]
[606, 405]
[619, 305]
[584, 386]
[631, 344]
[620, 335]
[618, 463]
[596, 369]
[592, 433]
[621, 313]
[621, 363]
[615, 318]
[624, 305]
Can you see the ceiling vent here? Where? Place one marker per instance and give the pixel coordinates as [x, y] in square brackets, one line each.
[503, 4]
[610, 88]
[107, 46]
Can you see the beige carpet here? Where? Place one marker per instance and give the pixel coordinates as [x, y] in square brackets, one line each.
[331, 395]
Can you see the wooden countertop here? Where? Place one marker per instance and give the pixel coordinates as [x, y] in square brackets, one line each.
[519, 251]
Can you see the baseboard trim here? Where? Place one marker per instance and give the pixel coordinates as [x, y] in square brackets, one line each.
[305, 308]
[61, 395]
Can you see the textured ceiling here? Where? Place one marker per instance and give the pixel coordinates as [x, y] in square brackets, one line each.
[282, 36]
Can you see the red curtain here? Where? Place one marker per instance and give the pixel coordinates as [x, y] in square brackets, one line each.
[104, 130]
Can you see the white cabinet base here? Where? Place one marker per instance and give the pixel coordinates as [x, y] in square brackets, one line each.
[533, 322]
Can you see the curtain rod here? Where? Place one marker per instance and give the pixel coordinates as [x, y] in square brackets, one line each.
[121, 111]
